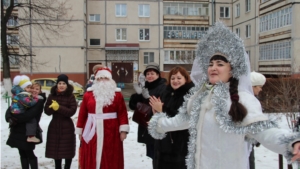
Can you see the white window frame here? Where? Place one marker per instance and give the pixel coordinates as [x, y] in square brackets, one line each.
[122, 10]
[93, 18]
[144, 31]
[223, 12]
[95, 39]
[237, 10]
[120, 30]
[248, 5]
[12, 21]
[248, 31]
[275, 50]
[12, 40]
[148, 57]
[143, 9]
[238, 32]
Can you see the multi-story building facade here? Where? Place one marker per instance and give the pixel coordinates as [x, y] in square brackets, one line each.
[127, 35]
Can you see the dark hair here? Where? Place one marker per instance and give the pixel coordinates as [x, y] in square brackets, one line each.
[182, 71]
[218, 57]
[154, 70]
[237, 111]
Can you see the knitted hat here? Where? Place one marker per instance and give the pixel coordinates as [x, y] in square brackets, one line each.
[103, 72]
[257, 79]
[22, 80]
[154, 66]
[62, 77]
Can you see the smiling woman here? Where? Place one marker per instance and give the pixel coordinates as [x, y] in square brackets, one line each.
[219, 69]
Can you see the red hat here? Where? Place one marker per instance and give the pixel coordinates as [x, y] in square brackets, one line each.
[103, 72]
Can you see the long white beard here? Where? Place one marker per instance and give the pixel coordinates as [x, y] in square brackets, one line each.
[104, 92]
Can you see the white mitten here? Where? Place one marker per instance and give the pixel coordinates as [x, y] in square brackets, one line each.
[137, 88]
[145, 93]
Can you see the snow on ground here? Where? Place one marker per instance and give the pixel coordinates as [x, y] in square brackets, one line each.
[134, 153]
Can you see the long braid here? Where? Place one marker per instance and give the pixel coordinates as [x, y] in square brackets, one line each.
[237, 111]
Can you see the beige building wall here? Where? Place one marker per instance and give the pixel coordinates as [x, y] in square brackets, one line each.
[63, 54]
[105, 30]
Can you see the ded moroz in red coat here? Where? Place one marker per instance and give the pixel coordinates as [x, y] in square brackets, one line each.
[107, 137]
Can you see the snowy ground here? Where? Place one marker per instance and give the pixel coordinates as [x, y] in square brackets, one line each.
[134, 153]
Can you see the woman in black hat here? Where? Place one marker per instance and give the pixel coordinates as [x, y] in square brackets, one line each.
[61, 104]
[154, 86]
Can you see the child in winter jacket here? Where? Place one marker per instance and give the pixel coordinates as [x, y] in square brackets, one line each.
[21, 101]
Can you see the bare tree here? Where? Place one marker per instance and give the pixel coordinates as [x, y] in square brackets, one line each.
[47, 19]
[282, 95]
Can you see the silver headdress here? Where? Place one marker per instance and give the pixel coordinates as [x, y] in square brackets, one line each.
[222, 41]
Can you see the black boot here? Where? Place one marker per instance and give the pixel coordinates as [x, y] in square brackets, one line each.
[24, 163]
[68, 163]
[33, 163]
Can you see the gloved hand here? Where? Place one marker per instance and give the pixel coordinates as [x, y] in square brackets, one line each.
[145, 93]
[137, 88]
[54, 105]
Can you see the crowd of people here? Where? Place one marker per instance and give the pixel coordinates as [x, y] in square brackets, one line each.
[203, 120]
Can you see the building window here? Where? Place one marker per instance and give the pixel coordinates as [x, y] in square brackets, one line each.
[184, 32]
[12, 40]
[185, 9]
[94, 42]
[144, 34]
[148, 57]
[237, 31]
[275, 50]
[94, 17]
[179, 57]
[277, 19]
[121, 34]
[224, 12]
[248, 53]
[248, 31]
[7, 2]
[12, 21]
[237, 10]
[121, 10]
[144, 10]
[248, 5]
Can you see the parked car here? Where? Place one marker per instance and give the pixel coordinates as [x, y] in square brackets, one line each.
[47, 84]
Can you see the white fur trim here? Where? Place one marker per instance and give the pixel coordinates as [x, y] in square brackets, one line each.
[103, 73]
[124, 127]
[78, 130]
[117, 89]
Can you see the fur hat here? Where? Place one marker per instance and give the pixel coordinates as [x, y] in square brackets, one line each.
[22, 80]
[152, 65]
[103, 72]
[62, 77]
[97, 67]
[257, 79]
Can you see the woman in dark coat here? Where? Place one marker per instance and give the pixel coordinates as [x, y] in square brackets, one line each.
[61, 104]
[172, 150]
[154, 86]
[18, 138]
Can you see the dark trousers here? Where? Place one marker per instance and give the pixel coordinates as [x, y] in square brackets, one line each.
[252, 158]
[31, 127]
[27, 158]
[67, 163]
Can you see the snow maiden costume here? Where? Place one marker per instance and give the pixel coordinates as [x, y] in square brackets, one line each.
[100, 122]
[216, 141]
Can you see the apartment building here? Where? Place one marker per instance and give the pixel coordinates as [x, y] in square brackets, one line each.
[126, 35]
